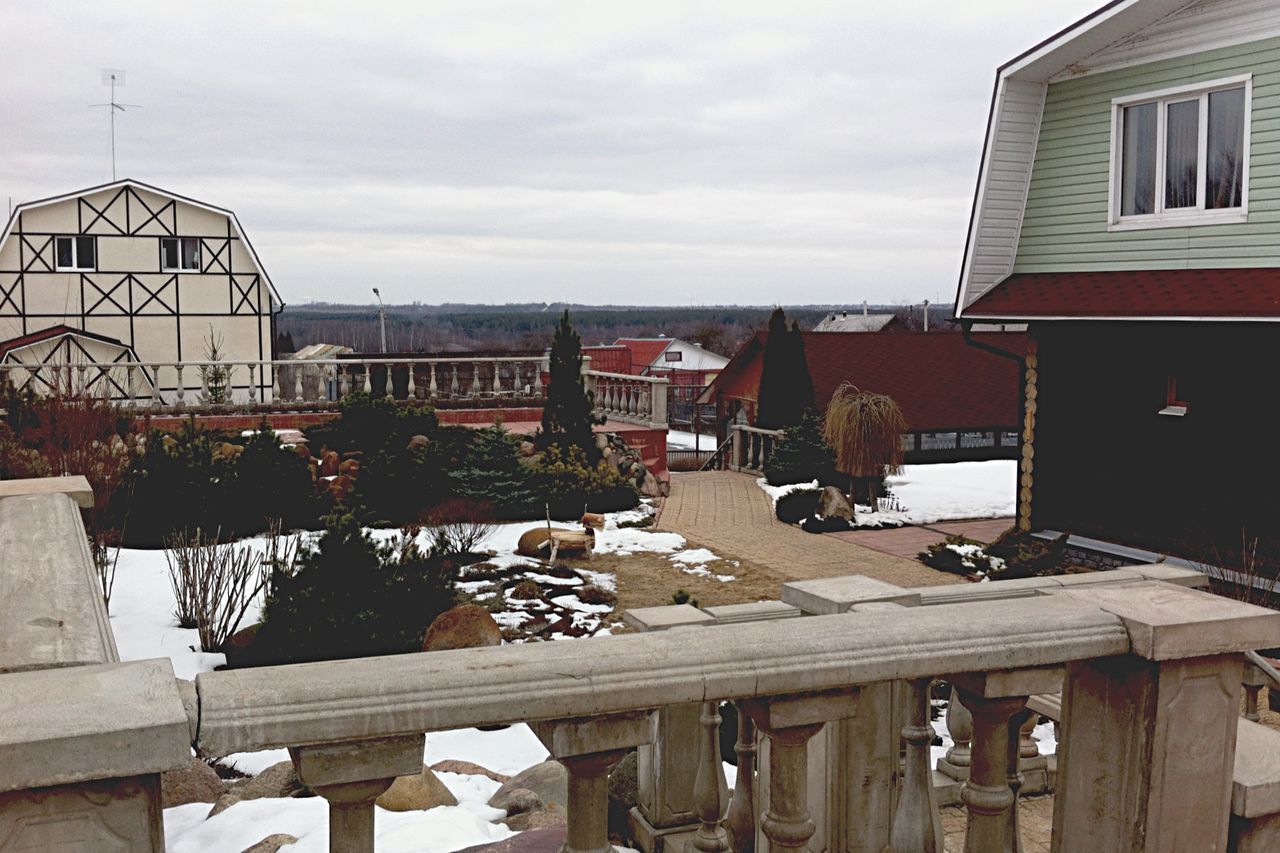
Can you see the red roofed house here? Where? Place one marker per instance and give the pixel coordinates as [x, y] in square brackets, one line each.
[683, 363]
[960, 402]
[1128, 211]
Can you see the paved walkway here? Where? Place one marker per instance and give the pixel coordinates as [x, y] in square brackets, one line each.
[727, 512]
[910, 541]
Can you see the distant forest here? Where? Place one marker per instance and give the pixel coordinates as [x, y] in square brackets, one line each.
[523, 327]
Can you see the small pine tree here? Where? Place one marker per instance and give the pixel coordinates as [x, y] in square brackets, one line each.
[802, 455]
[215, 378]
[566, 414]
[491, 473]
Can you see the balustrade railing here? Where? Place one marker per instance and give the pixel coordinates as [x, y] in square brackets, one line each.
[751, 447]
[1148, 673]
[638, 399]
[202, 384]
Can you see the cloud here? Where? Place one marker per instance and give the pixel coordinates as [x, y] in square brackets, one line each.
[491, 151]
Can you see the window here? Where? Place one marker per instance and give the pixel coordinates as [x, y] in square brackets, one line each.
[75, 253]
[1181, 156]
[670, 355]
[180, 254]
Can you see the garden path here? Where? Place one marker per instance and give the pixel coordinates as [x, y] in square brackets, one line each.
[727, 512]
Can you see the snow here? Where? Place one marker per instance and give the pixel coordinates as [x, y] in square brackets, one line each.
[933, 493]
[679, 440]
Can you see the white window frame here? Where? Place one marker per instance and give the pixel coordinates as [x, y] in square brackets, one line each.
[1182, 216]
[76, 266]
[180, 267]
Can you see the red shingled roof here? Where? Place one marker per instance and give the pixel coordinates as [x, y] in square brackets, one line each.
[644, 351]
[938, 380]
[1133, 294]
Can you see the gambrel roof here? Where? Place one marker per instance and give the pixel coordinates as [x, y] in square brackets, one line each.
[130, 183]
[1120, 34]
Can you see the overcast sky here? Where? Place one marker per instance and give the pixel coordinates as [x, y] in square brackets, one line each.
[658, 153]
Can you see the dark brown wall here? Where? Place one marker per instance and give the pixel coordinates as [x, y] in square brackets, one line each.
[1106, 465]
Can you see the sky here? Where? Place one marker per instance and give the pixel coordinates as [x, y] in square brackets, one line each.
[663, 153]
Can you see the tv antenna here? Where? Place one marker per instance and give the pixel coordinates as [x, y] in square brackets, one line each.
[114, 77]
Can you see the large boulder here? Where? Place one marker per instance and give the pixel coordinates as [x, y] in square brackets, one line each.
[419, 442]
[329, 464]
[416, 793]
[240, 649]
[650, 487]
[552, 816]
[462, 627]
[195, 783]
[278, 780]
[833, 504]
[549, 840]
[549, 780]
[467, 768]
[530, 543]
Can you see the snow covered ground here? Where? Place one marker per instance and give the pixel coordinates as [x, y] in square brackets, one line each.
[679, 440]
[142, 605]
[933, 493]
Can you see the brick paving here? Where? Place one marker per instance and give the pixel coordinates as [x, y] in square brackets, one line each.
[727, 512]
[909, 541]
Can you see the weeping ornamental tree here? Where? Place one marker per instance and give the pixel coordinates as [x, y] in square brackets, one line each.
[566, 414]
[865, 431]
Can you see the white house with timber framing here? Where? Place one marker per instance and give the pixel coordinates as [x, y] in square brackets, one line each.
[128, 272]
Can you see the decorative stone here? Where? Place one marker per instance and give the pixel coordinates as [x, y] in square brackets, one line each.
[833, 504]
[196, 783]
[548, 781]
[466, 768]
[419, 442]
[329, 464]
[278, 780]
[416, 793]
[551, 817]
[521, 801]
[463, 627]
[272, 843]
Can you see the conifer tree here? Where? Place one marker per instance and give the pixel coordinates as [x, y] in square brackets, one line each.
[491, 474]
[566, 414]
[786, 389]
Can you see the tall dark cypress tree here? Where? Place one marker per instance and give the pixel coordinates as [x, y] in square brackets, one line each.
[771, 400]
[803, 380]
[566, 415]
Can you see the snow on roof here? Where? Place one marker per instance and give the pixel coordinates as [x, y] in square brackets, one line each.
[846, 322]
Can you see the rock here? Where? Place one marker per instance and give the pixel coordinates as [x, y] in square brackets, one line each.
[454, 765]
[418, 441]
[833, 504]
[541, 819]
[527, 448]
[602, 440]
[195, 783]
[227, 451]
[238, 648]
[548, 840]
[523, 801]
[462, 627]
[416, 793]
[278, 780]
[341, 486]
[650, 487]
[593, 519]
[272, 843]
[549, 780]
[329, 464]
[349, 468]
[530, 544]
[624, 781]
[168, 442]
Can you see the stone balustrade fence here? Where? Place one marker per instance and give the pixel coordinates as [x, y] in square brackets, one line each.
[1148, 671]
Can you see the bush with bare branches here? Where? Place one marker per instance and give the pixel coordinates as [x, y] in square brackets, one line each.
[458, 526]
[214, 584]
[1243, 571]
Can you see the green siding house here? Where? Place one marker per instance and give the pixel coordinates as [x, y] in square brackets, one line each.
[1128, 211]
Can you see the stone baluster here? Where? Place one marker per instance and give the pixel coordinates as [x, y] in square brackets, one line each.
[453, 387]
[537, 379]
[432, 389]
[350, 776]
[645, 403]
[80, 377]
[789, 722]
[1013, 775]
[1253, 682]
[711, 837]
[181, 392]
[130, 385]
[987, 794]
[475, 379]
[387, 369]
[589, 747]
[253, 383]
[497, 377]
[955, 763]
[740, 822]
[368, 377]
[298, 370]
[336, 376]
[1026, 743]
[917, 823]
[277, 382]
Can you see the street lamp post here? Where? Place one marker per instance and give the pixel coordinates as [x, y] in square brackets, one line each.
[382, 319]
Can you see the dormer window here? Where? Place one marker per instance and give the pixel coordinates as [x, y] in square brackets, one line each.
[75, 253]
[180, 254]
[1181, 156]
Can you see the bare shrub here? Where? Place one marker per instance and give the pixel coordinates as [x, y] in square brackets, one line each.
[1243, 572]
[214, 584]
[458, 526]
[104, 547]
